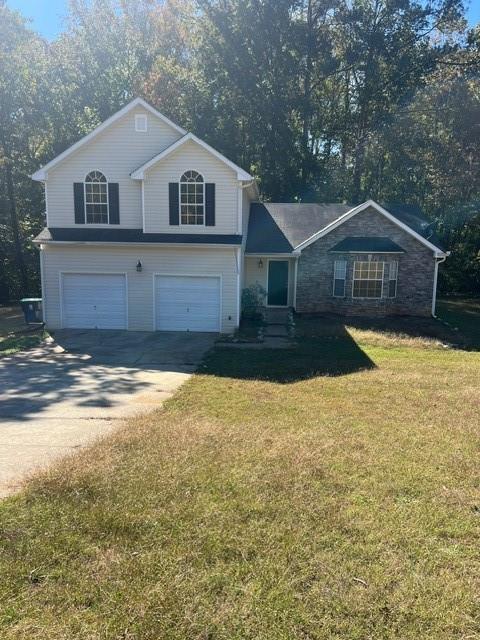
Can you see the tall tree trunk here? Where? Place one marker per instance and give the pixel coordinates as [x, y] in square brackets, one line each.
[346, 118]
[307, 92]
[358, 167]
[17, 240]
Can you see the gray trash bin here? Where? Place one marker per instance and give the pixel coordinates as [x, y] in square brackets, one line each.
[32, 310]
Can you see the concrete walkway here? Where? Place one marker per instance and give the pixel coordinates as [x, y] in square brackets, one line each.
[64, 394]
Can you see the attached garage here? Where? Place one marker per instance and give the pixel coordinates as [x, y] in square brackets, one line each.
[94, 301]
[187, 303]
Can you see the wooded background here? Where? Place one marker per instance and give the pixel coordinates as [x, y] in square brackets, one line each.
[322, 100]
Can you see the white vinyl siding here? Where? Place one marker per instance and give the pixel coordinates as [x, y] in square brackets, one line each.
[259, 275]
[187, 303]
[190, 157]
[93, 301]
[116, 152]
[140, 286]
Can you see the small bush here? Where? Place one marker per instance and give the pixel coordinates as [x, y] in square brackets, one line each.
[253, 298]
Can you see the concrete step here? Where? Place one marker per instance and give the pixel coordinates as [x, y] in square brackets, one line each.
[277, 331]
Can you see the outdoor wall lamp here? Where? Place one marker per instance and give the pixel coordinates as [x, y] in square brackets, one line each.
[139, 266]
[260, 264]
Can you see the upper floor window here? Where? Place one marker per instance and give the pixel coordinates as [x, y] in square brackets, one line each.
[368, 279]
[96, 198]
[192, 198]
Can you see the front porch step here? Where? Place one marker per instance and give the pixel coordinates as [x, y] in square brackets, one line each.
[276, 331]
[277, 316]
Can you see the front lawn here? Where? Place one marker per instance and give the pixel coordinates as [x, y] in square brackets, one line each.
[14, 334]
[331, 491]
[463, 314]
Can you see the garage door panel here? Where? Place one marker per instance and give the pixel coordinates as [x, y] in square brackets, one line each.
[187, 303]
[94, 301]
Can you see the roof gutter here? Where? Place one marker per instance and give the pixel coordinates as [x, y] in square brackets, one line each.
[438, 260]
[194, 245]
[265, 254]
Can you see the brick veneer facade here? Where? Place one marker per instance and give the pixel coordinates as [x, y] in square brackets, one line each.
[415, 271]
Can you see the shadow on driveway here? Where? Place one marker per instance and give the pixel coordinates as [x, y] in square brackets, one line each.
[61, 396]
[93, 369]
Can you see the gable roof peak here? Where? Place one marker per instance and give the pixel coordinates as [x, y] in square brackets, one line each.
[41, 174]
[298, 225]
[139, 173]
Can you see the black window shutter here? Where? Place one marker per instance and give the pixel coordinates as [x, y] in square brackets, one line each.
[210, 204]
[113, 203]
[79, 202]
[173, 202]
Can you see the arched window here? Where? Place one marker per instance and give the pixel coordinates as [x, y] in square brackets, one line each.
[192, 198]
[96, 198]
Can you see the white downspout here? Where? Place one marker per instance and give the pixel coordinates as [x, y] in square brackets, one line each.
[42, 284]
[241, 187]
[238, 259]
[435, 279]
[295, 276]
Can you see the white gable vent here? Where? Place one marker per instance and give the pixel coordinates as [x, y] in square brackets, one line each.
[140, 122]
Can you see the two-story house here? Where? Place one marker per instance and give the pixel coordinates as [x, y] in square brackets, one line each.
[150, 228]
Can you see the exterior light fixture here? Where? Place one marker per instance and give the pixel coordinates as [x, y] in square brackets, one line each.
[260, 264]
[139, 266]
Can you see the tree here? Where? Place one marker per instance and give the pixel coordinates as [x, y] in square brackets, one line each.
[322, 100]
[23, 94]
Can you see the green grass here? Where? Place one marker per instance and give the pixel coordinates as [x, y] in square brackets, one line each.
[463, 314]
[331, 491]
[11, 344]
[14, 335]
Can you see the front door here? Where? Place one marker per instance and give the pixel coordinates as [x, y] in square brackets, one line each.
[277, 283]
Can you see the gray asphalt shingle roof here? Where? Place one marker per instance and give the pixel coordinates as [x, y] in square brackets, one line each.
[279, 228]
[82, 234]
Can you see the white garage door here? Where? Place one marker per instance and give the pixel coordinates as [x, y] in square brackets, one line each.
[94, 301]
[187, 303]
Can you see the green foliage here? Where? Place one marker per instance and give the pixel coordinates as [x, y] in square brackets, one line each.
[322, 100]
[253, 298]
[461, 272]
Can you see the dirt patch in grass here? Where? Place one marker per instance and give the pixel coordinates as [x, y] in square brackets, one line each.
[14, 334]
[328, 491]
[12, 343]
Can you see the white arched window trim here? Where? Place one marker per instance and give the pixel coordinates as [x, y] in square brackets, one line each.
[191, 199]
[95, 192]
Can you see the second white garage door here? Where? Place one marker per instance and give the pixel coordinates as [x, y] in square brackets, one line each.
[187, 303]
[94, 301]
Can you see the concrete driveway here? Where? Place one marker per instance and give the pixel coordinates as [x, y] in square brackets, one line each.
[64, 394]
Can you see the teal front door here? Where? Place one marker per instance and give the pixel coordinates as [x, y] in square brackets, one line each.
[277, 283]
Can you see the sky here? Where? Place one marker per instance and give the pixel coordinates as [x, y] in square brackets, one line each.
[46, 15]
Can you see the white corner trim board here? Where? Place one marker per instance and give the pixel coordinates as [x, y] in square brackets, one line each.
[42, 173]
[139, 174]
[361, 207]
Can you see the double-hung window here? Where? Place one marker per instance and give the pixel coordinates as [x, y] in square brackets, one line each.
[192, 198]
[96, 198]
[367, 279]
[339, 277]
[392, 279]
